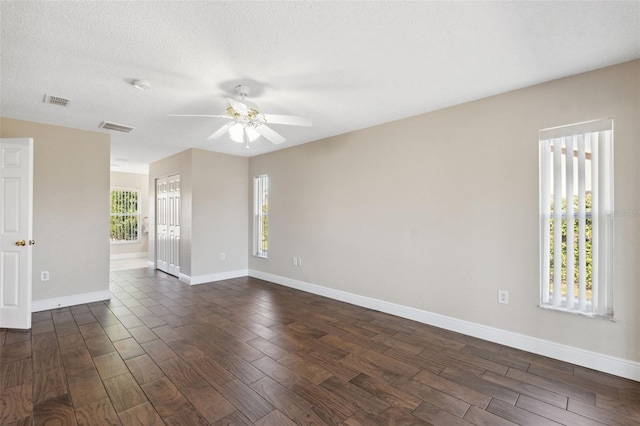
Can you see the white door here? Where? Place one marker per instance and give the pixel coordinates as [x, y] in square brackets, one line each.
[16, 211]
[168, 224]
[173, 195]
[161, 225]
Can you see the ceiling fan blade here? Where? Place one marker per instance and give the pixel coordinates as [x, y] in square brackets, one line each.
[197, 115]
[238, 106]
[270, 134]
[218, 133]
[290, 120]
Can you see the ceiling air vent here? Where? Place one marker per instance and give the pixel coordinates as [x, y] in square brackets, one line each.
[56, 100]
[117, 127]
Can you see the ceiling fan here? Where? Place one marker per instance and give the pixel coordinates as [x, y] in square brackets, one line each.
[248, 123]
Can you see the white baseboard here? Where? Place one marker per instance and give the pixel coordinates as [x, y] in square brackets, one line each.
[151, 264]
[64, 301]
[128, 255]
[605, 363]
[201, 279]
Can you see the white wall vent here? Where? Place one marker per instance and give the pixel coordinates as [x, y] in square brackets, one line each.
[117, 127]
[56, 100]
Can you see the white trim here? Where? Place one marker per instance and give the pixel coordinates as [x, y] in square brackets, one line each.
[128, 255]
[64, 301]
[567, 130]
[151, 264]
[605, 363]
[219, 276]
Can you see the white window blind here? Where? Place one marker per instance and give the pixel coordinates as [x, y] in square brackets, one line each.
[261, 210]
[576, 218]
[125, 215]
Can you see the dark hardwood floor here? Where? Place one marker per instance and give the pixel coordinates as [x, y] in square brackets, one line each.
[244, 351]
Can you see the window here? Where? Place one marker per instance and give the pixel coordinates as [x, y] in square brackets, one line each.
[260, 214]
[125, 215]
[576, 217]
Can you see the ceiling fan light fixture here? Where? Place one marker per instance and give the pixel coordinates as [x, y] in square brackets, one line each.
[252, 134]
[232, 112]
[236, 131]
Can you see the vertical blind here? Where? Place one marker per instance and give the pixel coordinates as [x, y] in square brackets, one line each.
[576, 212]
[125, 215]
[261, 211]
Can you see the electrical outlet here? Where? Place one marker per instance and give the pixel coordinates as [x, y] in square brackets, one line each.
[44, 276]
[503, 296]
[223, 256]
[294, 261]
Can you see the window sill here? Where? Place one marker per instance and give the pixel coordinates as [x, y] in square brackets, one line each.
[124, 242]
[577, 312]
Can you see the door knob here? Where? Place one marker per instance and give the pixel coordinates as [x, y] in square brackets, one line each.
[21, 243]
[32, 242]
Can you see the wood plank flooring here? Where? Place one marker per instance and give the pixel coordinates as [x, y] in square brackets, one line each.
[245, 351]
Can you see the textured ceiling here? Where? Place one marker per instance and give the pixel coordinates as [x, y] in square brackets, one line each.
[345, 65]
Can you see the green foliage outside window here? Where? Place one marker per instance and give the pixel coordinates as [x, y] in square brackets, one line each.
[261, 214]
[263, 221]
[125, 215]
[588, 249]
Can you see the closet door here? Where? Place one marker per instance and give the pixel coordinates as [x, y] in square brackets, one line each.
[168, 224]
[173, 225]
[161, 225]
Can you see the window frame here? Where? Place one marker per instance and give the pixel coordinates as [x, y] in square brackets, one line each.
[260, 216]
[136, 215]
[598, 221]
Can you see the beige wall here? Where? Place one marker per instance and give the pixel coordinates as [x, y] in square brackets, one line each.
[435, 212]
[70, 207]
[439, 211]
[214, 210]
[220, 213]
[141, 183]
